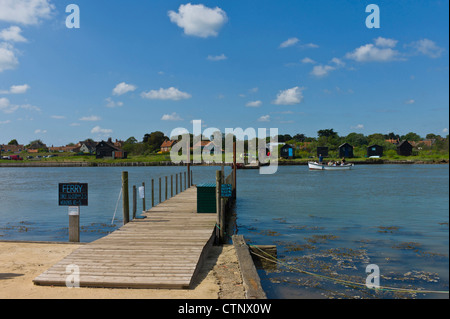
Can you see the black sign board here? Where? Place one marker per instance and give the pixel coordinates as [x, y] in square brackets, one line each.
[226, 190]
[73, 194]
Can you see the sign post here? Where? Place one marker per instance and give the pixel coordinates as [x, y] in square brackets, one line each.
[73, 195]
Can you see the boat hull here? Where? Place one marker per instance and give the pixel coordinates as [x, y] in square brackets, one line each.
[325, 167]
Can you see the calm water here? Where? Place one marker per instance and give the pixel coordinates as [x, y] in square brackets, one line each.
[328, 223]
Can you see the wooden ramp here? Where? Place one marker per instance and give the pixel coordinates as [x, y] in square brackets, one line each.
[164, 250]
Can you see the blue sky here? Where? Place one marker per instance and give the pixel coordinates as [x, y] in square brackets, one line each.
[134, 67]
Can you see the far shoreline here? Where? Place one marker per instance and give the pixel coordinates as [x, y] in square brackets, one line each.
[168, 163]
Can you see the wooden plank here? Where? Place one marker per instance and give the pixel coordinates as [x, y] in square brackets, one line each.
[165, 250]
[250, 277]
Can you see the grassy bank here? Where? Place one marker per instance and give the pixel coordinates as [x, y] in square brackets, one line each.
[163, 159]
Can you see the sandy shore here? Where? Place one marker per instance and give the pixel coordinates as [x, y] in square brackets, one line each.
[20, 263]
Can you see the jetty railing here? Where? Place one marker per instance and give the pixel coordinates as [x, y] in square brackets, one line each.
[183, 181]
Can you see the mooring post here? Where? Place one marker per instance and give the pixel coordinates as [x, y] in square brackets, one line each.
[192, 178]
[159, 191]
[171, 185]
[181, 183]
[166, 187]
[153, 193]
[189, 161]
[125, 199]
[234, 169]
[219, 229]
[143, 199]
[185, 185]
[134, 202]
[74, 224]
[176, 184]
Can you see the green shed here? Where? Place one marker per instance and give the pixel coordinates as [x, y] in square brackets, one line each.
[206, 198]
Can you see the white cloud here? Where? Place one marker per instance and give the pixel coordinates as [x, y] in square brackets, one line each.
[254, 104]
[338, 62]
[358, 127]
[289, 42]
[39, 131]
[166, 94]
[371, 53]
[25, 12]
[12, 34]
[16, 89]
[102, 131]
[171, 117]
[410, 101]
[123, 88]
[198, 20]
[289, 96]
[8, 59]
[310, 46]
[217, 57]
[92, 118]
[322, 70]
[427, 47]
[111, 104]
[385, 43]
[264, 118]
[5, 122]
[58, 117]
[75, 124]
[8, 108]
[308, 61]
[445, 130]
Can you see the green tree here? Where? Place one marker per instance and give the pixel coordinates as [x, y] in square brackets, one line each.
[13, 142]
[327, 133]
[411, 136]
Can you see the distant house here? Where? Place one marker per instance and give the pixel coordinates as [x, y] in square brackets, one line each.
[404, 149]
[62, 149]
[322, 150]
[87, 147]
[167, 145]
[108, 150]
[375, 150]
[393, 141]
[12, 148]
[287, 151]
[346, 150]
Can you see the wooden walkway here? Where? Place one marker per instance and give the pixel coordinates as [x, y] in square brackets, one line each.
[164, 250]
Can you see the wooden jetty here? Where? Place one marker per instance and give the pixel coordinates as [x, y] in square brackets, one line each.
[163, 250]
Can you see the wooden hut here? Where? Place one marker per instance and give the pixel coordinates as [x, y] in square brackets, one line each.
[287, 151]
[404, 149]
[322, 150]
[375, 150]
[346, 150]
[108, 150]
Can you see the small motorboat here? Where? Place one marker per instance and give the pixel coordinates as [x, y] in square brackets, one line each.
[326, 167]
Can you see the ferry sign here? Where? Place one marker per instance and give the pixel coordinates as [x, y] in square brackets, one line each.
[73, 194]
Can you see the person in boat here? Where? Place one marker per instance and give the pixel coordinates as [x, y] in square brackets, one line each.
[320, 159]
[343, 161]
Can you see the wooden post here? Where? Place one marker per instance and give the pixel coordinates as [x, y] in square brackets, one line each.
[234, 170]
[74, 224]
[166, 187]
[125, 199]
[185, 185]
[171, 185]
[153, 193]
[176, 184]
[189, 160]
[219, 230]
[192, 178]
[143, 200]
[181, 183]
[159, 191]
[134, 202]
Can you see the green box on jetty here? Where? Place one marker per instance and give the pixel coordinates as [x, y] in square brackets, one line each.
[206, 198]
